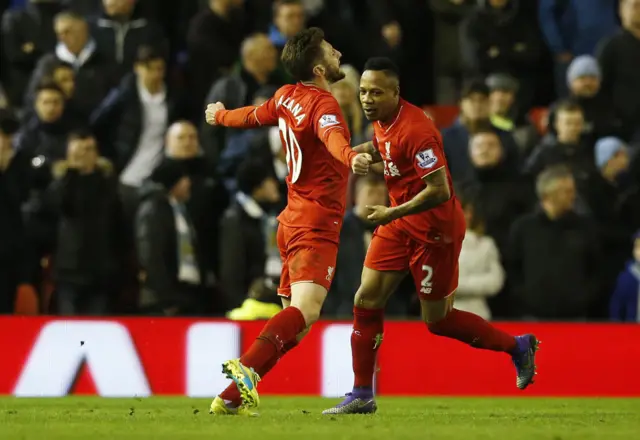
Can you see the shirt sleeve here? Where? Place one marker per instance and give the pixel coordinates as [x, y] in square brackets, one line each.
[328, 118]
[427, 154]
[249, 117]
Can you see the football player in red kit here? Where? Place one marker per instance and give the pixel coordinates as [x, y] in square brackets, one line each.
[421, 233]
[316, 139]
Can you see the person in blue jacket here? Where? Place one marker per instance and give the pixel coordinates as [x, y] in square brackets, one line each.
[625, 301]
[575, 27]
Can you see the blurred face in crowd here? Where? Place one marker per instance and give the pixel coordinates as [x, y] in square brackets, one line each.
[181, 191]
[630, 14]
[619, 162]
[475, 107]
[268, 192]
[569, 126]
[118, 8]
[485, 150]
[182, 141]
[500, 102]
[64, 77]
[49, 105]
[585, 86]
[83, 154]
[344, 93]
[636, 250]
[561, 195]
[73, 33]
[151, 74]
[289, 19]
[498, 4]
[259, 55]
[379, 95]
[370, 193]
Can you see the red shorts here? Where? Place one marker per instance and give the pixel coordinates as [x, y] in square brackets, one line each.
[434, 266]
[308, 256]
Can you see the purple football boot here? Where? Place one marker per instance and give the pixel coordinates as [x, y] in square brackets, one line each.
[524, 359]
[359, 401]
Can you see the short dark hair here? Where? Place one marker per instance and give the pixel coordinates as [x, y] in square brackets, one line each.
[279, 3]
[382, 64]
[50, 85]
[149, 53]
[302, 52]
[80, 134]
[9, 123]
[251, 174]
[475, 86]
[568, 105]
[549, 176]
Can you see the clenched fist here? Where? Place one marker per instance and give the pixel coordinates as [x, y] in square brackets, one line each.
[210, 113]
[360, 164]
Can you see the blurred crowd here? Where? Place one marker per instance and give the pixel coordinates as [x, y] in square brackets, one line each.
[117, 198]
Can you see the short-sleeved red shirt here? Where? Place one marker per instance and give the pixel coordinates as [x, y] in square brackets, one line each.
[317, 182]
[411, 148]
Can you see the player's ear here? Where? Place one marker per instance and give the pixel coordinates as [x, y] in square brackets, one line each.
[397, 92]
[319, 70]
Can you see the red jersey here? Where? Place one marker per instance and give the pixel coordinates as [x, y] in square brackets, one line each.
[318, 170]
[411, 148]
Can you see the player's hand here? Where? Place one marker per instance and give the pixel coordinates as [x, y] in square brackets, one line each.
[210, 113]
[381, 215]
[360, 164]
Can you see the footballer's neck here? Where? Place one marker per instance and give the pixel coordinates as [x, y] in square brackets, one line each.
[392, 115]
[318, 82]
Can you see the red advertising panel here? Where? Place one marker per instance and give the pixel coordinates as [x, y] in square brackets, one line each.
[143, 356]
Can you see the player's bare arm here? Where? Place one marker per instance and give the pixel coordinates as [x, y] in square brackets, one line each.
[369, 148]
[436, 193]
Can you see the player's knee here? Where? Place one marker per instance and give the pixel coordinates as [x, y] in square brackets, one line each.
[308, 298]
[369, 298]
[434, 312]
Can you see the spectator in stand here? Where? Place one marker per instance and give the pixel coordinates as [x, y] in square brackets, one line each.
[355, 237]
[4, 101]
[481, 272]
[208, 198]
[27, 34]
[499, 192]
[213, 41]
[584, 79]
[499, 38]
[572, 28]
[288, 19]
[625, 301]
[45, 133]
[501, 100]
[132, 121]
[248, 233]
[474, 116]
[449, 67]
[346, 92]
[84, 198]
[75, 46]
[121, 30]
[554, 254]
[257, 69]
[14, 188]
[167, 246]
[620, 62]
[604, 195]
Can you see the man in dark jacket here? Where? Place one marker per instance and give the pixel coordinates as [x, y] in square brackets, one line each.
[132, 121]
[620, 61]
[247, 233]
[27, 34]
[84, 197]
[499, 38]
[121, 30]
[14, 187]
[168, 249]
[238, 89]
[554, 254]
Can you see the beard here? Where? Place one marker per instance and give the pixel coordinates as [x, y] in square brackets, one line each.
[334, 74]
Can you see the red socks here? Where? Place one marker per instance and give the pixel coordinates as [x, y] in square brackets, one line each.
[365, 341]
[473, 330]
[278, 336]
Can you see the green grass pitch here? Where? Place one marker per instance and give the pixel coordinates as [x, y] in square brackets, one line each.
[299, 418]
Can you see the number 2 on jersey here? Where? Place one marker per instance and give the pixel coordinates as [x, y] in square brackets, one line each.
[426, 281]
[292, 148]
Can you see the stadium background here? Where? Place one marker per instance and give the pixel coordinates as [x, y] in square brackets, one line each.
[516, 86]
